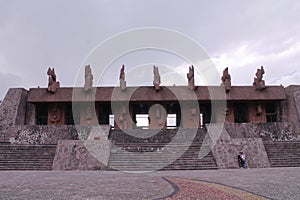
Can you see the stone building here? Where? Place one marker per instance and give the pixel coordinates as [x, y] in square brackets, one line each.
[250, 116]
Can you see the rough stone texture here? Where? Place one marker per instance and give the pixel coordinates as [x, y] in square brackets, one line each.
[73, 155]
[90, 154]
[30, 114]
[13, 107]
[34, 134]
[291, 107]
[277, 131]
[225, 150]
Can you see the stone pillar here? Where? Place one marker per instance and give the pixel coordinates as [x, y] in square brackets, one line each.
[229, 113]
[257, 113]
[157, 117]
[222, 112]
[122, 115]
[190, 115]
[30, 114]
[56, 114]
[88, 114]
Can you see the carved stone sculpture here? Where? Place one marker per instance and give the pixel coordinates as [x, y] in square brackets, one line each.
[156, 79]
[122, 78]
[55, 114]
[190, 77]
[226, 80]
[88, 84]
[258, 82]
[52, 83]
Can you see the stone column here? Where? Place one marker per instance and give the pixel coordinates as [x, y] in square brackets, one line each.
[122, 115]
[190, 115]
[88, 114]
[157, 117]
[257, 113]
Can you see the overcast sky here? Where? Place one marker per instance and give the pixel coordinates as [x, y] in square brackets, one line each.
[241, 35]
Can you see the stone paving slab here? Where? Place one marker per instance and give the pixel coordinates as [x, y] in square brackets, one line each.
[272, 183]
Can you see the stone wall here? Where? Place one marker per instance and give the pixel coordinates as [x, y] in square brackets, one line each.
[225, 150]
[90, 153]
[277, 131]
[34, 134]
[13, 107]
[291, 107]
[73, 155]
[30, 114]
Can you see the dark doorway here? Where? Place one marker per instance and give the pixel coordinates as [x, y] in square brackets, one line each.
[271, 111]
[104, 111]
[41, 114]
[241, 113]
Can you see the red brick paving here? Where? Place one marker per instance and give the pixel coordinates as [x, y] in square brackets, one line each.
[198, 190]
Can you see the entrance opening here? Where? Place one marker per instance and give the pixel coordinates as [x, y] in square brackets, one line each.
[241, 113]
[142, 120]
[171, 121]
[271, 112]
[69, 115]
[104, 113]
[41, 114]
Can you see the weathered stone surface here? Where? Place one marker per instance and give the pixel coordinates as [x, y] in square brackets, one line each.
[277, 131]
[73, 155]
[30, 114]
[258, 82]
[225, 150]
[226, 80]
[88, 79]
[156, 78]
[91, 153]
[122, 78]
[191, 78]
[13, 107]
[33, 134]
[291, 107]
[52, 83]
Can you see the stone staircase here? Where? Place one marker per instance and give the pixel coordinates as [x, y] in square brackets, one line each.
[26, 157]
[283, 153]
[160, 152]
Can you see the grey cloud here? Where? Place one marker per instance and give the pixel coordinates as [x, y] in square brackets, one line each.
[37, 34]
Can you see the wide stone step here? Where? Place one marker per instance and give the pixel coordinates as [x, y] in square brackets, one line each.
[283, 153]
[26, 157]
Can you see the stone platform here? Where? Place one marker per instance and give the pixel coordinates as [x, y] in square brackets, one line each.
[267, 183]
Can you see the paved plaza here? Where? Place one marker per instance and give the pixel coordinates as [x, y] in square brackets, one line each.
[264, 183]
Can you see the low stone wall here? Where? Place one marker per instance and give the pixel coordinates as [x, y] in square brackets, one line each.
[43, 134]
[277, 131]
[90, 154]
[34, 134]
[73, 155]
[225, 150]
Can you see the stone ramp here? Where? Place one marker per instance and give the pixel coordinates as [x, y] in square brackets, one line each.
[168, 154]
[26, 157]
[283, 153]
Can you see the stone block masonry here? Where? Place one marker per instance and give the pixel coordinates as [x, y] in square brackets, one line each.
[13, 107]
[91, 153]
